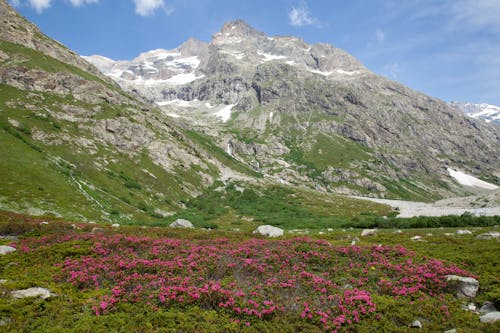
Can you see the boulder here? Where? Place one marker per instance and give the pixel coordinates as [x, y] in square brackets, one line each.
[463, 232]
[269, 230]
[416, 324]
[181, 223]
[4, 249]
[368, 232]
[489, 235]
[487, 307]
[454, 330]
[115, 225]
[416, 238]
[491, 317]
[43, 293]
[465, 286]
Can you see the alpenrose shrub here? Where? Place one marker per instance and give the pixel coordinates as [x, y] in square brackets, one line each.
[325, 285]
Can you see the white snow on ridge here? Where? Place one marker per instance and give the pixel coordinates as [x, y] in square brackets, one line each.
[225, 112]
[176, 102]
[270, 57]
[340, 71]
[183, 78]
[468, 180]
[237, 55]
[316, 71]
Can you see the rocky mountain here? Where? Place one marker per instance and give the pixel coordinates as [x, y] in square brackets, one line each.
[312, 115]
[487, 112]
[73, 143]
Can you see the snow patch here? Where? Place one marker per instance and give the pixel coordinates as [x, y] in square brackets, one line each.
[316, 71]
[290, 62]
[183, 78]
[271, 115]
[173, 115]
[237, 55]
[225, 112]
[176, 102]
[468, 180]
[208, 105]
[270, 57]
[340, 71]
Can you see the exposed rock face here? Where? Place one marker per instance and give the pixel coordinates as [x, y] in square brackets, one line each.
[269, 231]
[465, 286]
[295, 102]
[181, 223]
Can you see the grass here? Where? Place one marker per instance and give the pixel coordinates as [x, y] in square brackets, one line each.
[74, 306]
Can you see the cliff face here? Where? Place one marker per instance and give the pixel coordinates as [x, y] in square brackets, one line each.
[314, 114]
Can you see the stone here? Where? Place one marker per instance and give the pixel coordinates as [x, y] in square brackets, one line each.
[369, 232]
[416, 324]
[269, 230]
[465, 286]
[491, 317]
[5, 249]
[489, 235]
[416, 238]
[463, 232]
[451, 331]
[181, 223]
[42, 293]
[44, 223]
[398, 231]
[487, 307]
[115, 225]
[96, 230]
[4, 321]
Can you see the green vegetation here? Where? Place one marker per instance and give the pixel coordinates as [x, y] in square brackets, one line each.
[282, 206]
[39, 264]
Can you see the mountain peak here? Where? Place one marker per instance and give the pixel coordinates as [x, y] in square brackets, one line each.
[239, 28]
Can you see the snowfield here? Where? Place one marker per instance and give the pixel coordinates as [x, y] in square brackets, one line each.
[468, 180]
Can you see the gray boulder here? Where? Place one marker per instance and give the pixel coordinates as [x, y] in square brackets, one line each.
[368, 232]
[465, 286]
[4, 249]
[269, 230]
[42, 293]
[416, 324]
[463, 232]
[489, 235]
[491, 317]
[181, 223]
[487, 307]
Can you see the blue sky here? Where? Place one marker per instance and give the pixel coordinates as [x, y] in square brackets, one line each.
[449, 49]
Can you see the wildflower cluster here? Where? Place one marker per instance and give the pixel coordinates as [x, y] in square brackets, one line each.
[329, 286]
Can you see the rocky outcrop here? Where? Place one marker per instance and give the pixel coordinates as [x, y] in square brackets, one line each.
[181, 223]
[39, 292]
[466, 287]
[269, 231]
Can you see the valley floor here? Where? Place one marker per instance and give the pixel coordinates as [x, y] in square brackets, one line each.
[475, 205]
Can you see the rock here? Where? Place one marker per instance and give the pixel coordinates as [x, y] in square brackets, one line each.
[11, 238]
[465, 287]
[368, 232]
[470, 307]
[321, 233]
[44, 223]
[487, 307]
[491, 317]
[96, 230]
[354, 241]
[5, 249]
[416, 324]
[2, 281]
[489, 235]
[115, 225]
[416, 238]
[181, 223]
[463, 232]
[4, 321]
[398, 231]
[43, 293]
[329, 229]
[451, 331]
[269, 230]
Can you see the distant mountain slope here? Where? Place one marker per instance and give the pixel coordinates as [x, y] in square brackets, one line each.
[312, 115]
[74, 144]
[486, 112]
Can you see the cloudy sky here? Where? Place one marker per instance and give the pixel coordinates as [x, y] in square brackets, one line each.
[449, 49]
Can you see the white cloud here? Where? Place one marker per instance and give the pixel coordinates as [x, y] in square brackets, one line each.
[148, 7]
[301, 15]
[40, 5]
[476, 14]
[380, 36]
[78, 3]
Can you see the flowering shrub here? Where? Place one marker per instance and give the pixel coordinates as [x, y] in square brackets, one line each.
[328, 286]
